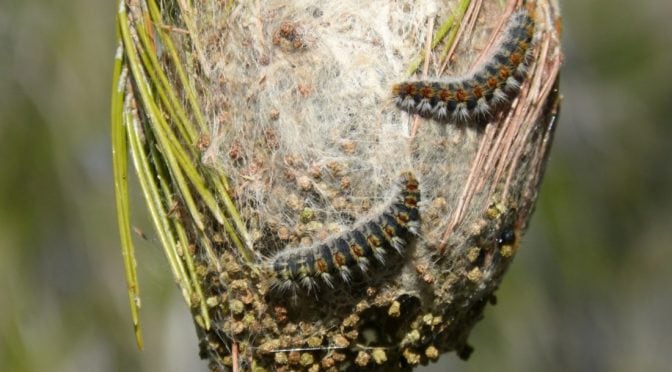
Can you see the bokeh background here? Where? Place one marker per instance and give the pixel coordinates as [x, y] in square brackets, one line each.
[590, 289]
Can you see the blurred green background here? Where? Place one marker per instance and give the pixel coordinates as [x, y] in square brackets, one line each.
[590, 290]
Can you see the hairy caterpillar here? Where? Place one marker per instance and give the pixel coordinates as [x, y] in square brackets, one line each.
[481, 92]
[354, 250]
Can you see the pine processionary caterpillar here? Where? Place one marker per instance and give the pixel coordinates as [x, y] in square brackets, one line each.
[475, 95]
[481, 92]
[354, 250]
